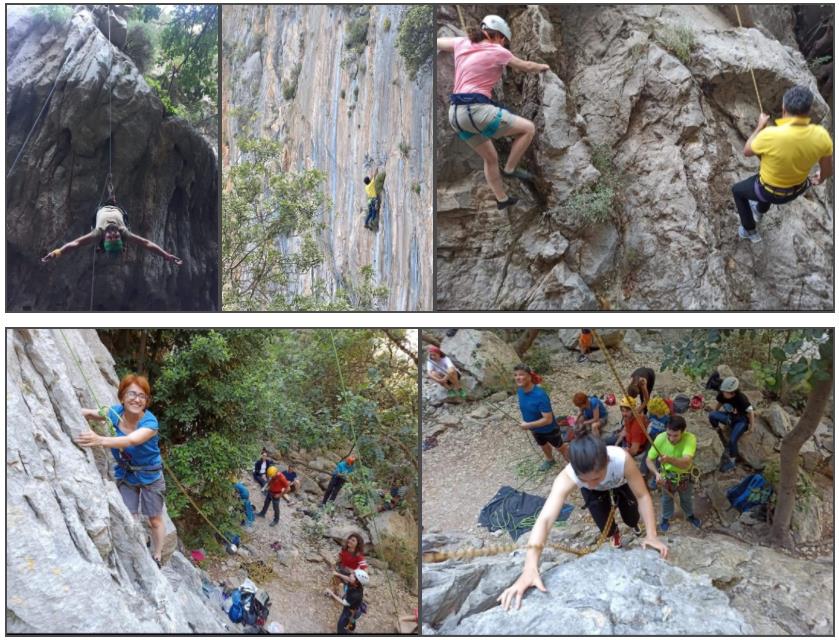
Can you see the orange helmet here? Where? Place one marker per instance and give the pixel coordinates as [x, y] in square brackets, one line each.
[350, 460]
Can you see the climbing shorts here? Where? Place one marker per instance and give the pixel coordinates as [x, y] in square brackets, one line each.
[553, 438]
[146, 499]
[477, 123]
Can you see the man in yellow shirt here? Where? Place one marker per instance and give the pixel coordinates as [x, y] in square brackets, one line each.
[677, 449]
[787, 152]
[372, 200]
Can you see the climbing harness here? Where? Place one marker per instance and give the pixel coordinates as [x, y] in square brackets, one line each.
[467, 100]
[751, 71]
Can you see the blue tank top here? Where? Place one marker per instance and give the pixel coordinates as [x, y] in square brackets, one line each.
[144, 455]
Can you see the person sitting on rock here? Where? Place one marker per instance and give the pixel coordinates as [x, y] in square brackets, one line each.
[293, 481]
[339, 478]
[350, 558]
[659, 412]
[135, 448]
[787, 152]
[353, 599]
[112, 235]
[537, 413]
[675, 449]
[276, 487]
[260, 468]
[441, 370]
[372, 200]
[641, 383]
[593, 414]
[479, 61]
[735, 410]
[600, 472]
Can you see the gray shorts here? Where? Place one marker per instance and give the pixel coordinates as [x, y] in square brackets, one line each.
[482, 115]
[145, 499]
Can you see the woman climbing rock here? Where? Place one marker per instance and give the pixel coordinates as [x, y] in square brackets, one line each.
[139, 467]
[479, 61]
[350, 558]
[112, 234]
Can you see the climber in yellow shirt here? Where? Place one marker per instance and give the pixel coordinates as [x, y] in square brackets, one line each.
[372, 200]
[787, 152]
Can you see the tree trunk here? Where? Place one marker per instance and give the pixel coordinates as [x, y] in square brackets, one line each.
[790, 446]
[427, 337]
[526, 341]
[399, 345]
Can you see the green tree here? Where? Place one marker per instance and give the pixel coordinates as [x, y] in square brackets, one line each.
[415, 40]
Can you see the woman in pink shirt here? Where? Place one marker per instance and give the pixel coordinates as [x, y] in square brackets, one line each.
[479, 61]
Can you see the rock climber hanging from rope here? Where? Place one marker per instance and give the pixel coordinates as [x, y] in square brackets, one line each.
[599, 471]
[112, 234]
[479, 61]
[787, 152]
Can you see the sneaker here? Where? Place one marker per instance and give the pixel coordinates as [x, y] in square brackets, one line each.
[616, 540]
[696, 522]
[260, 515]
[754, 236]
[727, 465]
[519, 173]
[637, 530]
[274, 523]
[664, 525]
[582, 358]
[546, 464]
[504, 204]
[757, 215]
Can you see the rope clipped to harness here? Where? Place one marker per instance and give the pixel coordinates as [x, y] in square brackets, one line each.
[751, 71]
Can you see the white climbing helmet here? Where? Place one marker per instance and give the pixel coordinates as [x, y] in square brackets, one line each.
[362, 576]
[497, 23]
[730, 384]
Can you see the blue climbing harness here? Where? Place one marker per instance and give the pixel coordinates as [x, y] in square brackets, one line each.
[467, 100]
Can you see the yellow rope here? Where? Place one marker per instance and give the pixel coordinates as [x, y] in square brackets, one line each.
[460, 15]
[754, 82]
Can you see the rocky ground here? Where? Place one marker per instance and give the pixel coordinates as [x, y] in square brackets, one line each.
[479, 448]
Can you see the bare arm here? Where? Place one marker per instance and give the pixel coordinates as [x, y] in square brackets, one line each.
[527, 66]
[93, 414]
[148, 245]
[336, 598]
[825, 170]
[88, 238]
[544, 421]
[762, 121]
[645, 505]
[446, 44]
[137, 437]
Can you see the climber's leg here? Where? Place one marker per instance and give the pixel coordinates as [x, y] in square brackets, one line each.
[628, 505]
[743, 192]
[493, 176]
[523, 131]
[158, 534]
[599, 504]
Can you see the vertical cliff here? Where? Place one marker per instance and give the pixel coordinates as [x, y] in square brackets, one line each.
[165, 174]
[346, 120]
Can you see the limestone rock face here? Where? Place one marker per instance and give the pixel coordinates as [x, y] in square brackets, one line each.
[78, 562]
[618, 108]
[345, 119]
[487, 360]
[165, 176]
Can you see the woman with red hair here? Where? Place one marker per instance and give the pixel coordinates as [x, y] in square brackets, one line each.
[134, 445]
[441, 369]
[538, 416]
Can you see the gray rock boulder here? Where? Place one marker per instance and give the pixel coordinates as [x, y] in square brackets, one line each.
[485, 356]
[79, 562]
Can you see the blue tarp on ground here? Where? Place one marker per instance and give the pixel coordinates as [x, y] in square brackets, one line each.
[508, 508]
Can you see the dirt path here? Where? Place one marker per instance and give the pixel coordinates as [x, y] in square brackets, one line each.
[295, 576]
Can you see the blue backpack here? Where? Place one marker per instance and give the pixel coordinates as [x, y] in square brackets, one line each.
[237, 611]
[752, 491]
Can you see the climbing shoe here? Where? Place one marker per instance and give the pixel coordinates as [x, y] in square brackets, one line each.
[274, 523]
[546, 464]
[462, 393]
[519, 173]
[756, 214]
[664, 525]
[696, 522]
[616, 540]
[754, 235]
[509, 202]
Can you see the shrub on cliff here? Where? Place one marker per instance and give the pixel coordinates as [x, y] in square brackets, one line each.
[416, 37]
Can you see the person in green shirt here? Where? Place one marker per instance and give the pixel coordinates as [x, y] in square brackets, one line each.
[677, 449]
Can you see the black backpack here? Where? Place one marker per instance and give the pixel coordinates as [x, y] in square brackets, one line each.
[714, 381]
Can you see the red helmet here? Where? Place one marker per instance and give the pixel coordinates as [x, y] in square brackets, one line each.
[350, 460]
[610, 399]
[696, 402]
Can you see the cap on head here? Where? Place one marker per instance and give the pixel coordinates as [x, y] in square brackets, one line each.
[730, 384]
[497, 23]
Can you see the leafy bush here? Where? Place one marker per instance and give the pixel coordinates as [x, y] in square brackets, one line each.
[57, 14]
[289, 86]
[416, 188]
[140, 44]
[679, 41]
[355, 39]
[596, 204]
[401, 557]
[416, 37]
[379, 182]
[386, 25]
[404, 148]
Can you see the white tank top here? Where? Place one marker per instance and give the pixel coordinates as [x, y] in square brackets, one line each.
[108, 215]
[614, 471]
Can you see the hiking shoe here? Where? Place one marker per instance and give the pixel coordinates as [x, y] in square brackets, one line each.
[616, 540]
[637, 530]
[274, 523]
[582, 358]
[260, 515]
[664, 525]
[754, 235]
[504, 204]
[696, 522]
[756, 214]
[546, 464]
[727, 465]
[519, 173]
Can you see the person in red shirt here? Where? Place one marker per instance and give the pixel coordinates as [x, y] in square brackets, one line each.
[276, 487]
[350, 558]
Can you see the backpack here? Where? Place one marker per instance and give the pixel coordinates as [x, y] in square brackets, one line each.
[714, 381]
[681, 403]
[236, 610]
[752, 491]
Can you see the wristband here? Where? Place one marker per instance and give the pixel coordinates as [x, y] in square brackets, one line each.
[56, 253]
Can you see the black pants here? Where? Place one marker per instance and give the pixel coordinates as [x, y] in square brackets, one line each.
[333, 488]
[750, 189]
[275, 502]
[599, 504]
[343, 621]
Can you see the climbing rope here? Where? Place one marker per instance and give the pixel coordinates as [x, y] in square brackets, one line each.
[751, 71]
[460, 15]
[371, 496]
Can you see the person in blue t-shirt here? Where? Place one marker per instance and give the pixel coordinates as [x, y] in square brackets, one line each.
[245, 497]
[134, 445]
[593, 414]
[339, 477]
[538, 416]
